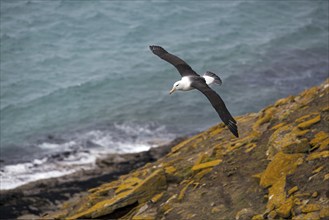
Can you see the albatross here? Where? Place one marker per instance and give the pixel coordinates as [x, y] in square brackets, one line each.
[191, 80]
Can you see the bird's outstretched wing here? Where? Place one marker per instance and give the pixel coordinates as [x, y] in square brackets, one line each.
[218, 104]
[183, 68]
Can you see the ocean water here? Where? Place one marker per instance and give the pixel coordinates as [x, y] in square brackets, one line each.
[78, 80]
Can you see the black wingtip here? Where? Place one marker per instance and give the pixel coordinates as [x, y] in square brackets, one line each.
[233, 128]
[157, 49]
[234, 132]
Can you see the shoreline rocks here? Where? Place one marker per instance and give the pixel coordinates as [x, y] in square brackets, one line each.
[46, 195]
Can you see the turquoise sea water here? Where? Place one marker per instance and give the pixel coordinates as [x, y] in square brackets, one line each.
[77, 76]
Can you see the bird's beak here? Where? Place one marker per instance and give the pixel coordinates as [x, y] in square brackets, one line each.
[172, 90]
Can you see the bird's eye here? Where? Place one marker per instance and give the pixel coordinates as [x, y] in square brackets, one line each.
[177, 85]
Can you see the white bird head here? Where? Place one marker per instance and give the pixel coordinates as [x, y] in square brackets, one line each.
[177, 86]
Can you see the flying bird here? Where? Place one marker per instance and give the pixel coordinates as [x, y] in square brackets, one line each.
[191, 80]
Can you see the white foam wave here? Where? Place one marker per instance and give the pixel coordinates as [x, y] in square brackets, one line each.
[127, 148]
[81, 150]
[56, 146]
[13, 176]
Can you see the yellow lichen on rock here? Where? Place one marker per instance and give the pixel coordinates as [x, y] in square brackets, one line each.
[308, 216]
[215, 130]
[305, 194]
[320, 140]
[317, 169]
[128, 184]
[215, 210]
[166, 207]
[143, 191]
[299, 133]
[278, 126]
[311, 208]
[235, 145]
[283, 101]
[319, 137]
[297, 201]
[293, 190]
[157, 197]
[325, 109]
[99, 207]
[206, 165]
[304, 117]
[201, 156]
[281, 165]
[324, 145]
[257, 217]
[203, 172]
[104, 188]
[288, 139]
[170, 169]
[309, 123]
[265, 117]
[285, 209]
[315, 194]
[299, 146]
[317, 155]
[59, 214]
[143, 217]
[250, 147]
[324, 212]
[276, 194]
[181, 145]
[258, 175]
[183, 191]
[275, 140]
[272, 215]
[307, 95]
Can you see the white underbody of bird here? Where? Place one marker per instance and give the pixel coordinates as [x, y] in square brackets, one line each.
[185, 84]
[191, 80]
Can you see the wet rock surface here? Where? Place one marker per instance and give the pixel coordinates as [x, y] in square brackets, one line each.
[278, 168]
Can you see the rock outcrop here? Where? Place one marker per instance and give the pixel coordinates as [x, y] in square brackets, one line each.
[278, 168]
[45, 195]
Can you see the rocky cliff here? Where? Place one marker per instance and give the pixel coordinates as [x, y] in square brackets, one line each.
[278, 168]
